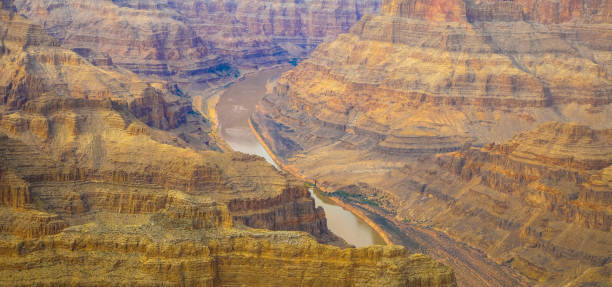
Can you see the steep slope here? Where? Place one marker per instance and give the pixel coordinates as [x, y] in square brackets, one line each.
[541, 201]
[102, 181]
[368, 114]
[256, 32]
[398, 79]
[104, 124]
[108, 251]
[202, 39]
[74, 228]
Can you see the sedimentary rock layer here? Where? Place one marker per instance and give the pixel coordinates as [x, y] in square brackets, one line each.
[108, 252]
[201, 39]
[102, 125]
[106, 179]
[400, 80]
[379, 105]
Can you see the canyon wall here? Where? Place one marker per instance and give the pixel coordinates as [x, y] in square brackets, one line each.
[404, 117]
[203, 40]
[107, 179]
[104, 252]
[102, 125]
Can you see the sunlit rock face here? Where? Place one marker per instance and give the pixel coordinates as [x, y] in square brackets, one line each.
[108, 179]
[202, 39]
[384, 105]
[104, 123]
[438, 75]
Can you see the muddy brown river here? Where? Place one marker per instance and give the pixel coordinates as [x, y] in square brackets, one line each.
[234, 108]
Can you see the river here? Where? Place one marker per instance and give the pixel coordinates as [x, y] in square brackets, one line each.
[234, 108]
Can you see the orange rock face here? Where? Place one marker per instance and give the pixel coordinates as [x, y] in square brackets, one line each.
[378, 112]
[205, 40]
[109, 179]
[73, 126]
[435, 11]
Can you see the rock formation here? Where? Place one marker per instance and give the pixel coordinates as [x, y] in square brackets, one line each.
[543, 195]
[375, 114]
[202, 39]
[108, 179]
[108, 251]
[94, 124]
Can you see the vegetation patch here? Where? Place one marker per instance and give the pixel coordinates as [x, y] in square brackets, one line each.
[354, 196]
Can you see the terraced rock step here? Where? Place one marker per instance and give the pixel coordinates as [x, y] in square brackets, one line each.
[110, 179]
[436, 114]
[205, 40]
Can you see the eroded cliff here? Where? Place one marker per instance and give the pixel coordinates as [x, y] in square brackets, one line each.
[203, 40]
[108, 179]
[370, 114]
[102, 125]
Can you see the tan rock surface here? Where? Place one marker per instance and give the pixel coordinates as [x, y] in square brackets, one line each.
[367, 113]
[198, 46]
[106, 179]
[204, 39]
[105, 130]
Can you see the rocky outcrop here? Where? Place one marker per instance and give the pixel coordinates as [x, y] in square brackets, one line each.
[257, 32]
[273, 202]
[550, 168]
[30, 223]
[546, 12]
[106, 179]
[203, 40]
[556, 177]
[405, 110]
[106, 253]
[14, 191]
[394, 96]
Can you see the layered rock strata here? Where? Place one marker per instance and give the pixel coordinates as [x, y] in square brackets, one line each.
[103, 182]
[399, 80]
[108, 252]
[541, 200]
[203, 40]
[425, 78]
[102, 125]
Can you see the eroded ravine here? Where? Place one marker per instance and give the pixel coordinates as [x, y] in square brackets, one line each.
[234, 109]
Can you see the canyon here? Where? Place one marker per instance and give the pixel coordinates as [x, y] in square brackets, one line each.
[111, 177]
[464, 128]
[194, 41]
[474, 134]
[234, 108]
